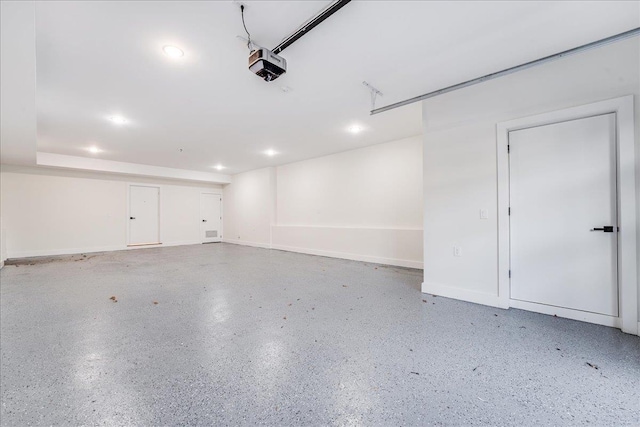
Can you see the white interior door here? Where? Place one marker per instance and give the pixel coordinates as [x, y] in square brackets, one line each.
[144, 207]
[562, 187]
[210, 217]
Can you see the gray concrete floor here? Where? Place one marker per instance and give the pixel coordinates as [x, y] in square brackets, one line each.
[244, 336]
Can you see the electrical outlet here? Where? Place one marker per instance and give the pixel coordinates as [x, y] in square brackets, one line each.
[457, 251]
[484, 213]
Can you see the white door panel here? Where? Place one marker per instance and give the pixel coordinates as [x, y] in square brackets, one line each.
[562, 185]
[143, 215]
[210, 212]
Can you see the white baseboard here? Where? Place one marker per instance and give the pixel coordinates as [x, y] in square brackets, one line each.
[67, 251]
[583, 316]
[331, 254]
[165, 244]
[463, 295]
[73, 251]
[182, 243]
[495, 301]
[353, 257]
[245, 243]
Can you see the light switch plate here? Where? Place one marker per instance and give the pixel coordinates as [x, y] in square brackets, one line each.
[484, 213]
[457, 251]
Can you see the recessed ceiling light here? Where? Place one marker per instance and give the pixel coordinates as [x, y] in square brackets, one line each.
[94, 150]
[219, 167]
[271, 153]
[119, 120]
[355, 129]
[173, 52]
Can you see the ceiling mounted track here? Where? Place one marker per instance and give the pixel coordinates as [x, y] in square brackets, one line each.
[310, 25]
[627, 34]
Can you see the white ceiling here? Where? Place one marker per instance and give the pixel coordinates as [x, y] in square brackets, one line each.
[97, 59]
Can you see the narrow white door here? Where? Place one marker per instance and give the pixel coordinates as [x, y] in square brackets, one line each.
[144, 215]
[563, 226]
[210, 217]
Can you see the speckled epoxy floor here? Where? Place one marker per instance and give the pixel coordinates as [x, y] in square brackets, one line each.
[244, 336]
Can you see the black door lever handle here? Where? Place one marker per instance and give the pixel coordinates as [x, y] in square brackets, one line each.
[606, 229]
[132, 217]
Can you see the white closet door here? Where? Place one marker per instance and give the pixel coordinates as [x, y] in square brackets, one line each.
[211, 213]
[144, 208]
[562, 195]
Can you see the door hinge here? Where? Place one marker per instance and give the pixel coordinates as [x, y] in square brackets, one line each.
[509, 274]
[508, 148]
[509, 211]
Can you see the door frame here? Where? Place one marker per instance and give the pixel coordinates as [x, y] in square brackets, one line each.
[128, 213]
[623, 109]
[220, 235]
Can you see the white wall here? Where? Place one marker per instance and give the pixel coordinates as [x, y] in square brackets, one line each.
[373, 187]
[46, 212]
[3, 244]
[460, 157]
[364, 204]
[248, 208]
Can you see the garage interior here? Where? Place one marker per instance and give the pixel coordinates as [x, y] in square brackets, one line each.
[401, 213]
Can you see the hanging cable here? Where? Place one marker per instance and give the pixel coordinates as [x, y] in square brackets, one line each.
[249, 44]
